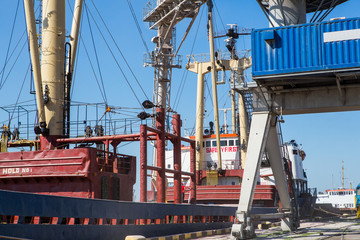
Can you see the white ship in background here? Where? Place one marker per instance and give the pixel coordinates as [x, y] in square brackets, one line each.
[341, 198]
[344, 199]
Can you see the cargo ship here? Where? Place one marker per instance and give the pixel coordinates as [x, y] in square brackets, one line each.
[224, 187]
[54, 163]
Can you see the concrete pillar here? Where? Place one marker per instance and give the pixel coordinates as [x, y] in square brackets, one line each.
[287, 12]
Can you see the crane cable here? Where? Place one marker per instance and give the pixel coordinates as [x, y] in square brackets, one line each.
[96, 56]
[118, 48]
[137, 25]
[12, 67]
[10, 40]
[18, 97]
[185, 73]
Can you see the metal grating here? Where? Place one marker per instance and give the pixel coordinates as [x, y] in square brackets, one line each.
[158, 12]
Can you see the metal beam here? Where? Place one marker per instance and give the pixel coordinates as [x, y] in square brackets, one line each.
[258, 136]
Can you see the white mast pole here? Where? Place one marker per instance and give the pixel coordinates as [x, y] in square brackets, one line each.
[52, 63]
[75, 32]
[214, 85]
[35, 58]
[199, 132]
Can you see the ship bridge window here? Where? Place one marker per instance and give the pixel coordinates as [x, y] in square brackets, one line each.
[214, 143]
[341, 193]
[208, 143]
[231, 142]
[223, 143]
[295, 152]
[237, 143]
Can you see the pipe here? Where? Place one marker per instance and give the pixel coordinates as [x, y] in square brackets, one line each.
[35, 58]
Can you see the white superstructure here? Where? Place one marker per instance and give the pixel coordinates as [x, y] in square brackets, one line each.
[338, 198]
[296, 156]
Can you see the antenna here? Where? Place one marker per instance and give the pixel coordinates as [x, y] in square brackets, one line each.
[342, 175]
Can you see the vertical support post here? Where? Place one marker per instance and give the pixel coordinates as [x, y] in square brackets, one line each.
[35, 58]
[243, 122]
[214, 84]
[233, 109]
[277, 166]
[143, 163]
[107, 145]
[199, 130]
[52, 62]
[193, 179]
[75, 27]
[160, 149]
[258, 137]
[177, 158]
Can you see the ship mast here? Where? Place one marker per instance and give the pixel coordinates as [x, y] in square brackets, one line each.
[52, 63]
[49, 78]
[213, 80]
[35, 59]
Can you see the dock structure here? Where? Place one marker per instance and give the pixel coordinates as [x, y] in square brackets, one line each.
[290, 79]
[344, 228]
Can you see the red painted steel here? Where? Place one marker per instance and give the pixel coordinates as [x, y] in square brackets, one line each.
[143, 163]
[79, 172]
[161, 137]
[178, 195]
[225, 194]
[160, 150]
[193, 179]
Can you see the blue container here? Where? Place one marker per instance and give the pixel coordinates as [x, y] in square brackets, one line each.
[306, 49]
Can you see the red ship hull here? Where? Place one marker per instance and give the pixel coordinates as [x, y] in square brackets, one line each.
[79, 172]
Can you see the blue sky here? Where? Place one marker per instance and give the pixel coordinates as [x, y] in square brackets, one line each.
[327, 138]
